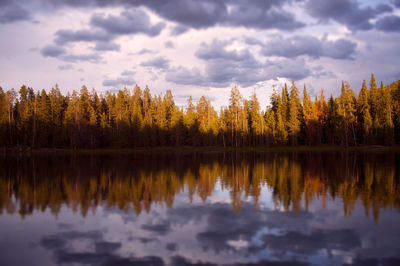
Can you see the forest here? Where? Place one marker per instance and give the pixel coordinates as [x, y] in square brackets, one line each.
[134, 117]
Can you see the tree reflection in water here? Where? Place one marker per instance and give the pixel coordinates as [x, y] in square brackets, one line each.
[137, 181]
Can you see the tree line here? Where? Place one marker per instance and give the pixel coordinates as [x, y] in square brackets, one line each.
[136, 118]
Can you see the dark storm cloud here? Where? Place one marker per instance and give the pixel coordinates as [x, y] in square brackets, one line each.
[346, 12]
[52, 51]
[389, 24]
[310, 46]
[107, 46]
[128, 22]
[396, 3]
[157, 62]
[224, 67]
[11, 11]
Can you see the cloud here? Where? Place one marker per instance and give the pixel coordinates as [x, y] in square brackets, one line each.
[107, 28]
[119, 82]
[125, 79]
[52, 51]
[11, 11]
[60, 53]
[307, 45]
[178, 30]
[253, 41]
[92, 58]
[65, 67]
[346, 12]
[132, 21]
[157, 62]
[389, 24]
[396, 3]
[146, 51]
[208, 13]
[128, 73]
[186, 76]
[67, 36]
[169, 44]
[186, 14]
[261, 15]
[107, 46]
[224, 67]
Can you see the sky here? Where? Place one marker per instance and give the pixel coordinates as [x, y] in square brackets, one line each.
[198, 47]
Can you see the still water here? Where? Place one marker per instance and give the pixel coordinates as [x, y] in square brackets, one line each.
[201, 209]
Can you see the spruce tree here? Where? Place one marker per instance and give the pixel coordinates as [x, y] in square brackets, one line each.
[294, 121]
[364, 113]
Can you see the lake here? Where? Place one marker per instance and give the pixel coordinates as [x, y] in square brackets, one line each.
[333, 208]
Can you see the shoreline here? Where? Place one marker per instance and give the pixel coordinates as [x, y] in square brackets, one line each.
[207, 149]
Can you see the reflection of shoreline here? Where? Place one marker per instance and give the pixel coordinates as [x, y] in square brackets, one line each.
[137, 181]
[171, 150]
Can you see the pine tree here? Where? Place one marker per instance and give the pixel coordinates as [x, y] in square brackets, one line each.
[10, 101]
[294, 121]
[375, 98]
[191, 123]
[364, 113]
[234, 110]
[271, 127]
[3, 118]
[281, 133]
[346, 110]
[255, 120]
[310, 118]
[285, 106]
[387, 121]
